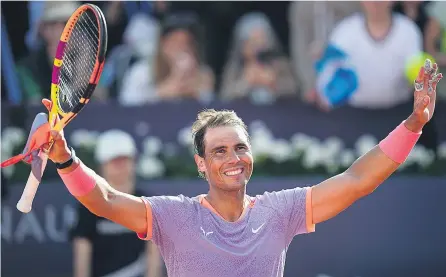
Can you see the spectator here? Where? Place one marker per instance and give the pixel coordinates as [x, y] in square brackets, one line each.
[311, 23]
[138, 47]
[379, 49]
[34, 71]
[415, 10]
[178, 72]
[436, 38]
[101, 247]
[257, 68]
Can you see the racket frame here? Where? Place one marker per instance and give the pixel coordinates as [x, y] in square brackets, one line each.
[58, 125]
[25, 203]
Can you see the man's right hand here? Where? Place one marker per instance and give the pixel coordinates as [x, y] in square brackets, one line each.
[59, 152]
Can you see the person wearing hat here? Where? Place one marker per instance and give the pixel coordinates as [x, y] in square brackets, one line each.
[34, 71]
[102, 248]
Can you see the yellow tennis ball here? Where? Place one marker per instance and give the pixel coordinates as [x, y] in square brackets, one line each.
[414, 64]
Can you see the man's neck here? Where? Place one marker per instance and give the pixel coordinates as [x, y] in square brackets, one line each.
[229, 205]
[380, 26]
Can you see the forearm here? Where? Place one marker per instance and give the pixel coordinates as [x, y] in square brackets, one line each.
[332, 196]
[370, 170]
[101, 199]
[380, 162]
[94, 192]
[96, 198]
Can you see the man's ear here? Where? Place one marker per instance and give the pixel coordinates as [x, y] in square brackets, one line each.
[200, 163]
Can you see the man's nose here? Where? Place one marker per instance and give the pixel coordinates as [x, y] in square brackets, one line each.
[233, 157]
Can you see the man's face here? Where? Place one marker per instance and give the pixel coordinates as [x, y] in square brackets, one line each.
[227, 161]
[51, 31]
[376, 8]
[120, 173]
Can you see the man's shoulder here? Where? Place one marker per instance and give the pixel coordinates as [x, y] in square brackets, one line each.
[403, 19]
[172, 200]
[272, 198]
[406, 24]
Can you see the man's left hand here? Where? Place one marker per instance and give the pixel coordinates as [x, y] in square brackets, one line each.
[424, 97]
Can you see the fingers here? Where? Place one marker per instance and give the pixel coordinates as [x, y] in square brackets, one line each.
[427, 73]
[47, 103]
[427, 79]
[58, 137]
[419, 81]
[435, 78]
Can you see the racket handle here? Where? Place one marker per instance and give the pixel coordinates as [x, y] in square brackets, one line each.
[26, 201]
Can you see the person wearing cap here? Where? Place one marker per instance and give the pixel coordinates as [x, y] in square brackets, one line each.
[102, 248]
[34, 71]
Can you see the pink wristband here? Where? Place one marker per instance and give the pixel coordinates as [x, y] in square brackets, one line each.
[79, 181]
[398, 144]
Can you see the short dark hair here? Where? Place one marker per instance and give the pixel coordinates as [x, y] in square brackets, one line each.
[211, 118]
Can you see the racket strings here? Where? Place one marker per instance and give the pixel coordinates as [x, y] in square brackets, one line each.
[78, 61]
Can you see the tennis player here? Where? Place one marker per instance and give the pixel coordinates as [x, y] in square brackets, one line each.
[225, 232]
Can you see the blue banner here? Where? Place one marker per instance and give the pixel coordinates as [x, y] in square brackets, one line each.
[289, 138]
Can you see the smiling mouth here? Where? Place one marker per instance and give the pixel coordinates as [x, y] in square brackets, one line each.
[234, 172]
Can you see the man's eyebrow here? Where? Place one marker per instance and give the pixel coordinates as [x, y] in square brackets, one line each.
[241, 144]
[224, 147]
[218, 148]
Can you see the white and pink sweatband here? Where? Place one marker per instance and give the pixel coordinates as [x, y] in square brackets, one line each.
[80, 181]
[398, 144]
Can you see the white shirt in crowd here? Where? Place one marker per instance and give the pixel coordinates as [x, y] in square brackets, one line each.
[379, 64]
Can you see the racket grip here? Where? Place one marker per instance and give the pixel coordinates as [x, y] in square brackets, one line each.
[26, 200]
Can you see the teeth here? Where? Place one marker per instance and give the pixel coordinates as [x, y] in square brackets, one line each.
[234, 172]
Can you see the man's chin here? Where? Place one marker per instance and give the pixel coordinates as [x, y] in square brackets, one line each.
[235, 185]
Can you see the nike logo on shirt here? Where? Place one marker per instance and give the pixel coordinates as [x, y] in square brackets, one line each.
[255, 231]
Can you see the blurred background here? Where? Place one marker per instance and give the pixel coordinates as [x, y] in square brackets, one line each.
[318, 83]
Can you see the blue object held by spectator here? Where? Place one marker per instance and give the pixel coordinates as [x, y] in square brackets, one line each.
[336, 79]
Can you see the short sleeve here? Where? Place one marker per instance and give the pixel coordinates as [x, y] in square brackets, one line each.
[165, 216]
[85, 226]
[294, 205]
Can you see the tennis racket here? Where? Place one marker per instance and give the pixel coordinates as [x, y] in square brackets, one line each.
[78, 65]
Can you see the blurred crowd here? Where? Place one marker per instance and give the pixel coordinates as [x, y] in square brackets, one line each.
[167, 51]
[224, 51]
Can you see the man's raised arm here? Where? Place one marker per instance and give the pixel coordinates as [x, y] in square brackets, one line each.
[332, 196]
[100, 198]
[92, 190]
